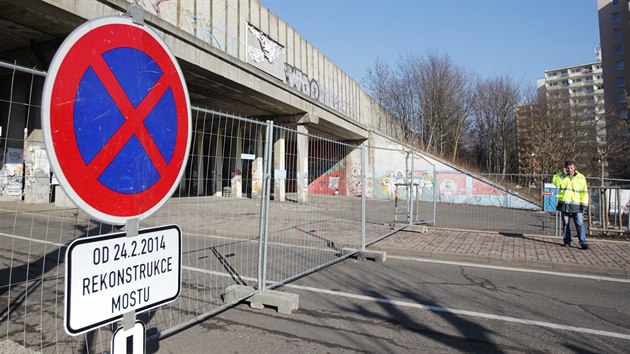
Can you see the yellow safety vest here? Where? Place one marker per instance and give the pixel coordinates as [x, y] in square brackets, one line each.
[573, 192]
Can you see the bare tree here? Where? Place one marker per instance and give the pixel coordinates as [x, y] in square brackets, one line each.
[444, 103]
[494, 109]
[387, 88]
[615, 149]
[428, 95]
[558, 129]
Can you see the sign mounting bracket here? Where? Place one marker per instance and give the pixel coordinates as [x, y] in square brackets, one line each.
[136, 13]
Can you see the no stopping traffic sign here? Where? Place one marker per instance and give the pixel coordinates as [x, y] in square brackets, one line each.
[116, 119]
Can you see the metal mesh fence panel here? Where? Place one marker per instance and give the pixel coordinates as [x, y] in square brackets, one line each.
[218, 208]
[215, 206]
[400, 186]
[386, 176]
[466, 202]
[315, 209]
[219, 205]
[608, 210]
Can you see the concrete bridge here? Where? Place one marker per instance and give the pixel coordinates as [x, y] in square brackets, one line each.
[237, 57]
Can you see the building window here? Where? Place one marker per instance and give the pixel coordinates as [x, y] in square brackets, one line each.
[615, 2]
[621, 97]
[623, 114]
[620, 64]
[617, 33]
[616, 17]
[621, 81]
[618, 49]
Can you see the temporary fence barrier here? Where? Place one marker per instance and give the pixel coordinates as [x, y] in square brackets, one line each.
[608, 211]
[258, 205]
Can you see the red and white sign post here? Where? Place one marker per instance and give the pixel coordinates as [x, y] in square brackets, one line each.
[117, 128]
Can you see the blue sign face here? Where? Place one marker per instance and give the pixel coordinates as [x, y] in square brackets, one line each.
[131, 165]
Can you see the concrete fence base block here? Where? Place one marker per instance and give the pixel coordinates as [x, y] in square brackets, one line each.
[376, 256]
[235, 293]
[284, 302]
[417, 228]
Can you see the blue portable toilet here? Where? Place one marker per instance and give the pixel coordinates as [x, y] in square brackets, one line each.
[550, 199]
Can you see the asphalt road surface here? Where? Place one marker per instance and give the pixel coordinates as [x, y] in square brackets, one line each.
[408, 305]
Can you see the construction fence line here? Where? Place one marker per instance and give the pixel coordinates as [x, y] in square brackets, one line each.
[258, 205]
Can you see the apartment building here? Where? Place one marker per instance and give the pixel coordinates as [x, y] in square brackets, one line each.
[614, 33]
[581, 88]
[574, 91]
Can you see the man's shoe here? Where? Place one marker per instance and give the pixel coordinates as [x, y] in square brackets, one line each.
[585, 246]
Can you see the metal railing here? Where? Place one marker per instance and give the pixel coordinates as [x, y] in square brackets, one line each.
[608, 210]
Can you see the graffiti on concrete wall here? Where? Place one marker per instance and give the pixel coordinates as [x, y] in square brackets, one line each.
[201, 27]
[482, 188]
[152, 6]
[269, 49]
[264, 53]
[300, 81]
[393, 184]
[389, 182]
[353, 181]
[327, 183]
[11, 173]
[37, 174]
[333, 180]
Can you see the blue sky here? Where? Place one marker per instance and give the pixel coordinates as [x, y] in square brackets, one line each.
[519, 38]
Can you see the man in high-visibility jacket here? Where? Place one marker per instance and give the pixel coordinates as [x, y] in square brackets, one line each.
[572, 201]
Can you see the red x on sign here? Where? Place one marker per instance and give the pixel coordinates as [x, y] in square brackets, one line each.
[116, 119]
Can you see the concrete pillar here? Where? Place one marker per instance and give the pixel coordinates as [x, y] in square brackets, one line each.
[279, 188]
[37, 173]
[302, 164]
[257, 164]
[371, 165]
[201, 168]
[237, 180]
[218, 163]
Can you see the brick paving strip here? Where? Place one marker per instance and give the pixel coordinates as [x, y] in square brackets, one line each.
[604, 257]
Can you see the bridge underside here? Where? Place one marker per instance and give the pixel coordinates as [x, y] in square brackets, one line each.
[33, 30]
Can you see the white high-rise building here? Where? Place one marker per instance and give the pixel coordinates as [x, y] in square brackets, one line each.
[581, 87]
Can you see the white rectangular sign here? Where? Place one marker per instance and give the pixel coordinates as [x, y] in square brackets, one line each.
[248, 157]
[280, 174]
[109, 275]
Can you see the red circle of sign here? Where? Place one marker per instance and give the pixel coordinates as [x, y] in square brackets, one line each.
[82, 179]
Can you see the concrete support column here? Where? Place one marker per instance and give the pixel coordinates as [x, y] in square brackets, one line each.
[257, 167]
[201, 168]
[279, 188]
[218, 163]
[237, 179]
[302, 164]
